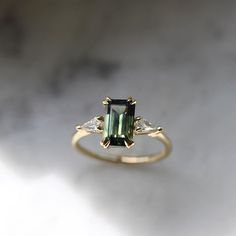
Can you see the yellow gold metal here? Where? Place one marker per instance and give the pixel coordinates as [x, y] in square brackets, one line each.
[101, 118]
[157, 135]
[129, 143]
[106, 101]
[137, 118]
[131, 101]
[78, 127]
[138, 129]
[105, 143]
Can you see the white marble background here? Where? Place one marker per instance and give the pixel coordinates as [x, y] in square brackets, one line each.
[58, 59]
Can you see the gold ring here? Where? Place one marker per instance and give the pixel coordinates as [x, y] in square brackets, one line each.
[118, 127]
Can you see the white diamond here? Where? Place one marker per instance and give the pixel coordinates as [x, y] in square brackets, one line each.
[144, 126]
[93, 126]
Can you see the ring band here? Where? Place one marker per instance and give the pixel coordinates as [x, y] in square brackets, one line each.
[118, 127]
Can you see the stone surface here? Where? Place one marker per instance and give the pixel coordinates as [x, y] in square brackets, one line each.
[119, 122]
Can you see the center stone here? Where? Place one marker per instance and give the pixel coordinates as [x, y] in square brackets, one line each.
[119, 122]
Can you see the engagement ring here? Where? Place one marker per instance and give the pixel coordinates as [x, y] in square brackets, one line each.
[118, 127]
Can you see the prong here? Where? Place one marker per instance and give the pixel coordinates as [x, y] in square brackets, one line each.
[138, 129]
[100, 129]
[106, 101]
[100, 118]
[129, 143]
[78, 127]
[130, 99]
[138, 118]
[105, 143]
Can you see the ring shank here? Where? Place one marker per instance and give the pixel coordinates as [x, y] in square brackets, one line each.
[158, 135]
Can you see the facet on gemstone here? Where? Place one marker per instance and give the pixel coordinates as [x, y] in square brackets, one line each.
[144, 126]
[93, 126]
[119, 122]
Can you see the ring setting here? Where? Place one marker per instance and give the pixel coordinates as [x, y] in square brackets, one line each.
[118, 127]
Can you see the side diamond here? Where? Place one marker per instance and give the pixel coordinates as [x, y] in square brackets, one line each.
[93, 126]
[143, 126]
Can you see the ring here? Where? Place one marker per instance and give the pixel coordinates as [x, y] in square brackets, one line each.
[118, 127]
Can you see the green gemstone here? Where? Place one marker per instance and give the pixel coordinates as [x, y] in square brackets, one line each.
[119, 122]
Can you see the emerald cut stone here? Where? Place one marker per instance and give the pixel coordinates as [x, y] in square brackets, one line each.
[119, 122]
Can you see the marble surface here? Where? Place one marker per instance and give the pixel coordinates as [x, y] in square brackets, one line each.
[59, 59]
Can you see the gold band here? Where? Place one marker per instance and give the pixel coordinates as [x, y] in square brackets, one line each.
[159, 135]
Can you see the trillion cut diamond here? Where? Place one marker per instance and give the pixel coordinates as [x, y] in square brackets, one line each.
[144, 126]
[93, 126]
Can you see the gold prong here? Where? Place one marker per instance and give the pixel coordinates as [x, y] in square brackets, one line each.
[100, 118]
[138, 129]
[130, 99]
[100, 129]
[78, 127]
[138, 118]
[105, 143]
[129, 143]
[106, 101]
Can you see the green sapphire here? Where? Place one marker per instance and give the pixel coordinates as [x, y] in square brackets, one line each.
[119, 122]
